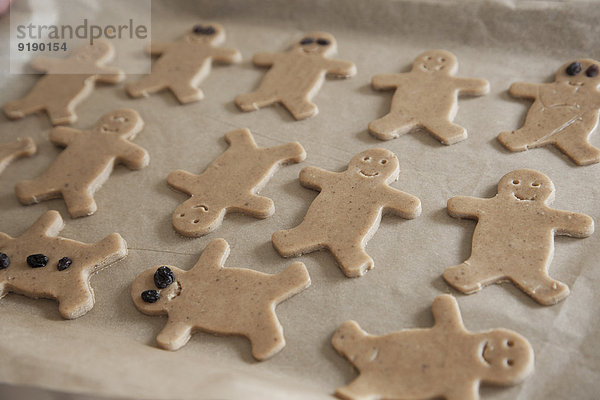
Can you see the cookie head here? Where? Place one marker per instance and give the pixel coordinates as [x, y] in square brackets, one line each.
[197, 217]
[507, 355]
[526, 185]
[99, 52]
[375, 164]
[154, 288]
[436, 62]
[125, 123]
[322, 43]
[206, 32]
[583, 72]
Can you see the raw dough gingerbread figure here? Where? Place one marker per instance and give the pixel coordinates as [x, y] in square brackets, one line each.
[87, 162]
[426, 97]
[66, 83]
[215, 299]
[296, 76]
[43, 265]
[347, 212]
[514, 237]
[183, 65]
[13, 150]
[230, 184]
[564, 113]
[443, 361]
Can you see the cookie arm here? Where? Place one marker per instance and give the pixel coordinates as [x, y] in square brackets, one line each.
[400, 203]
[446, 313]
[240, 137]
[341, 68]
[182, 180]
[385, 81]
[157, 48]
[264, 59]
[63, 136]
[133, 156]
[573, 224]
[524, 90]
[472, 86]
[315, 178]
[226, 56]
[109, 74]
[49, 224]
[45, 64]
[213, 256]
[465, 206]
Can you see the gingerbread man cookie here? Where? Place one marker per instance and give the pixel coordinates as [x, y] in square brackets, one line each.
[347, 212]
[184, 64]
[426, 97]
[230, 184]
[215, 299]
[296, 76]
[39, 264]
[66, 83]
[13, 150]
[86, 163]
[443, 361]
[514, 237]
[564, 113]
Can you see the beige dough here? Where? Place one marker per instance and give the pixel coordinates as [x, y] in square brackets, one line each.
[347, 212]
[514, 237]
[296, 76]
[184, 64]
[443, 361]
[71, 286]
[66, 83]
[226, 301]
[87, 162]
[17, 149]
[564, 113]
[230, 184]
[426, 97]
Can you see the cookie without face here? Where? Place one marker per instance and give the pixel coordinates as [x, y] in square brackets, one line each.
[215, 299]
[296, 76]
[230, 184]
[443, 361]
[67, 82]
[184, 64]
[87, 162]
[43, 265]
[564, 113]
[426, 97]
[514, 237]
[347, 212]
[17, 149]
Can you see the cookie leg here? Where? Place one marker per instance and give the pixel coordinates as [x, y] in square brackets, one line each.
[255, 100]
[174, 335]
[391, 126]
[60, 113]
[542, 288]
[353, 261]
[519, 140]
[36, 190]
[358, 389]
[573, 141]
[469, 278]
[76, 302]
[145, 86]
[80, 203]
[296, 241]
[256, 206]
[445, 131]
[300, 108]
[22, 107]
[185, 92]
[269, 340]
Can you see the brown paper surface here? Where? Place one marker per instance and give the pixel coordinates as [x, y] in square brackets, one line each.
[111, 351]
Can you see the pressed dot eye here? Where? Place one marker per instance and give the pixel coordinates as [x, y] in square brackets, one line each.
[535, 184]
[515, 182]
[204, 30]
[307, 40]
[510, 343]
[442, 59]
[428, 58]
[592, 71]
[510, 362]
[366, 158]
[323, 42]
[384, 161]
[573, 69]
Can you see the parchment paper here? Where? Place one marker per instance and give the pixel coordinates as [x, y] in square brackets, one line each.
[111, 351]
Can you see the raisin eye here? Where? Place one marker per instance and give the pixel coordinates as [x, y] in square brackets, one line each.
[204, 30]
[592, 71]
[163, 277]
[306, 41]
[150, 296]
[323, 42]
[573, 69]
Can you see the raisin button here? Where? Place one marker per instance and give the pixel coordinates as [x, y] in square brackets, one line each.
[37, 260]
[150, 296]
[4, 260]
[574, 68]
[163, 277]
[64, 263]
